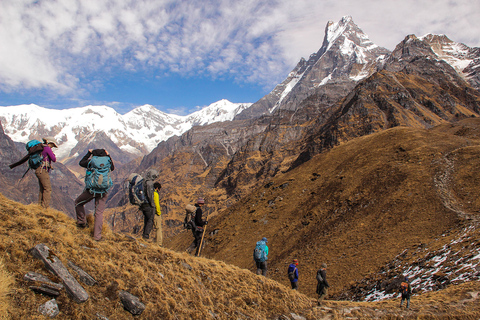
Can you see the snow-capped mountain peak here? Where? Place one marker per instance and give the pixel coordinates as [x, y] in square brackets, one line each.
[137, 132]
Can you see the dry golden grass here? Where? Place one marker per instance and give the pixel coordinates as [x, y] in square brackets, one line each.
[172, 285]
[6, 281]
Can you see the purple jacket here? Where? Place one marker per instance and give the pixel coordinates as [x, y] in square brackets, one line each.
[48, 155]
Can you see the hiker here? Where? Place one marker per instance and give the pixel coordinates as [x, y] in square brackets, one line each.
[148, 208]
[197, 230]
[292, 273]
[406, 292]
[157, 222]
[322, 283]
[260, 256]
[40, 157]
[43, 171]
[93, 190]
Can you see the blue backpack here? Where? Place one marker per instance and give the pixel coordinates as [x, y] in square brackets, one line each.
[136, 192]
[259, 254]
[97, 177]
[35, 159]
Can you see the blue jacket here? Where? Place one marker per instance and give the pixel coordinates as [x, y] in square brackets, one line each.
[291, 268]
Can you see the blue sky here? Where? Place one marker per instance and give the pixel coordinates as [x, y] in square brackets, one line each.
[181, 55]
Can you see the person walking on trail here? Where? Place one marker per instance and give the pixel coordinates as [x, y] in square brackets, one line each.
[322, 284]
[406, 292]
[99, 164]
[292, 273]
[43, 172]
[199, 226]
[260, 256]
[157, 222]
[148, 208]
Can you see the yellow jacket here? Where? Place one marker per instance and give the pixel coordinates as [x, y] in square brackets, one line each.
[156, 200]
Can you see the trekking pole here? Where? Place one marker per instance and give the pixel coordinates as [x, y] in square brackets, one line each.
[203, 235]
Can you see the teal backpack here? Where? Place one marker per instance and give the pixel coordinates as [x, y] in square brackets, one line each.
[259, 254]
[35, 159]
[97, 177]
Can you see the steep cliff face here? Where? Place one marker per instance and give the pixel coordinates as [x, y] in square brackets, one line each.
[413, 88]
[346, 56]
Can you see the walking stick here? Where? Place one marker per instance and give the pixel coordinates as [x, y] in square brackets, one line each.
[203, 235]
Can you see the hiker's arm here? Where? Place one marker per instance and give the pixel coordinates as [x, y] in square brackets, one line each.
[50, 154]
[84, 161]
[19, 162]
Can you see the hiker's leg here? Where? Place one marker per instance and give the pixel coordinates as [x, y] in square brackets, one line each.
[322, 295]
[99, 208]
[198, 239]
[148, 213]
[259, 267]
[157, 222]
[264, 268]
[80, 202]
[45, 187]
[408, 302]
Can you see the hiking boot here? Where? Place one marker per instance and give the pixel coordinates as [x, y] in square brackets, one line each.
[82, 225]
[99, 240]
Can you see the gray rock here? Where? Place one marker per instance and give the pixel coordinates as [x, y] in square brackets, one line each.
[49, 308]
[131, 303]
[54, 265]
[40, 278]
[45, 291]
[84, 277]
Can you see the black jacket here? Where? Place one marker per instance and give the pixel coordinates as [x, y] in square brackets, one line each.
[97, 152]
[321, 281]
[198, 217]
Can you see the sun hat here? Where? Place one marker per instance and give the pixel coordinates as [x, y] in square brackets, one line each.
[264, 239]
[200, 201]
[50, 140]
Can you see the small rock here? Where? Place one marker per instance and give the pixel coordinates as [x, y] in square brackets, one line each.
[131, 303]
[49, 308]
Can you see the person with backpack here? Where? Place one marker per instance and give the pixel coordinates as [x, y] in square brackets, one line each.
[199, 225]
[260, 256]
[157, 222]
[40, 157]
[148, 207]
[292, 273]
[99, 164]
[405, 291]
[43, 172]
[322, 284]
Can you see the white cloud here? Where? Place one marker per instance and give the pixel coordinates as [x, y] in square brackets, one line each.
[60, 44]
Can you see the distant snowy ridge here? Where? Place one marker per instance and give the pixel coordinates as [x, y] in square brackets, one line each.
[138, 131]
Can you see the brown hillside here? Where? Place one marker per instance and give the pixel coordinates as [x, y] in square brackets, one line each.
[355, 207]
[173, 285]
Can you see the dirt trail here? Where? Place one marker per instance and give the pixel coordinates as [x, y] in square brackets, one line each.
[443, 183]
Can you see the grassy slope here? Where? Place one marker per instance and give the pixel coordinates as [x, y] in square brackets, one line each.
[355, 207]
[172, 285]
